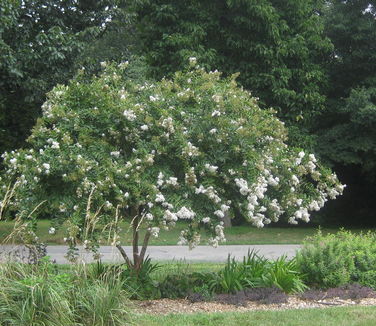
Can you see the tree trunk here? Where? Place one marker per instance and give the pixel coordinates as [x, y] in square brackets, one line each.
[136, 220]
[138, 257]
[227, 220]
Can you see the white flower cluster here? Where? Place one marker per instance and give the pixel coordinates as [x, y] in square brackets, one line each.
[192, 242]
[172, 181]
[242, 185]
[129, 115]
[210, 192]
[191, 150]
[155, 231]
[192, 61]
[211, 168]
[220, 236]
[185, 213]
[168, 124]
[115, 154]
[190, 177]
[54, 144]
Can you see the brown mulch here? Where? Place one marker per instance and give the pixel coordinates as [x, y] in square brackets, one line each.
[167, 306]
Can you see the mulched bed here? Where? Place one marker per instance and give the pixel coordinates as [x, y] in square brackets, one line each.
[261, 299]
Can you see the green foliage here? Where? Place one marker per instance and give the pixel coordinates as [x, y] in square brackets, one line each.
[181, 285]
[41, 295]
[140, 282]
[352, 139]
[284, 274]
[190, 148]
[334, 260]
[351, 26]
[346, 125]
[278, 47]
[345, 137]
[231, 279]
[253, 272]
[41, 44]
[256, 271]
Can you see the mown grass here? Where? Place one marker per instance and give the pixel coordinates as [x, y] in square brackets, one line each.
[343, 316]
[236, 235]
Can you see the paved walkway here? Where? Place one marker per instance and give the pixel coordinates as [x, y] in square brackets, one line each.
[164, 253]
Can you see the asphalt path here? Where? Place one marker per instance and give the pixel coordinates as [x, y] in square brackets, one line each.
[170, 253]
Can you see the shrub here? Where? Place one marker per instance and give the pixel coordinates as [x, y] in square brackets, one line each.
[194, 148]
[182, 285]
[41, 295]
[255, 272]
[338, 259]
[260, 272]
[284, 274]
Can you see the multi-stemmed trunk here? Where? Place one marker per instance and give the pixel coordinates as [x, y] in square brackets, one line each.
[138, 255]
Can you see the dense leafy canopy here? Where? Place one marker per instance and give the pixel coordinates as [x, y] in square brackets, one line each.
[347, 126]
[277, 46]
[312, 61]
[191, 148]
[40, 46]
[345, 131]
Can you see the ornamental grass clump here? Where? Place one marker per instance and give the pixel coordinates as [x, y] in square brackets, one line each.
[43, 295]
[194, 148]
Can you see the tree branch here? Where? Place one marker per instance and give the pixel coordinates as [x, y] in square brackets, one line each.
[145, 245]
[124, 255]
[135, 216]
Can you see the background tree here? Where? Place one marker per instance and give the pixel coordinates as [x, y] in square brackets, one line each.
[191, 148]
[277, 46]
[41, 43]
[346, 136]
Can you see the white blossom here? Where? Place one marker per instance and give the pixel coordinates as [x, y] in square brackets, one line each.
[149, 217]
[169, 216]
[219, 213]
[154, 231]
[193, 60]
[129, 115]
[206, 220]
[185, 214]
[211, 168]
[159, 198]
[144, 127]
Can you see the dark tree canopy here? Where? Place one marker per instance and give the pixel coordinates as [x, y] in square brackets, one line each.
[40, 44]
[277, 46]
[346, 133]
[346, 129]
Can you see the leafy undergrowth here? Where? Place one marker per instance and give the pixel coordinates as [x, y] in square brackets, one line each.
[40, 294]
[334, 260]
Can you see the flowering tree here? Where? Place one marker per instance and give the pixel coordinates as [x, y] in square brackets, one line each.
[191, 148]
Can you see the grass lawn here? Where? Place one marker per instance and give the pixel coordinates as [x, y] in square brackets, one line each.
[339, 316]
[245, 234]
